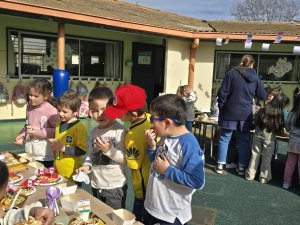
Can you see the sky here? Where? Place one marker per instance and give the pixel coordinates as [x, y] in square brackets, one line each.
[201, 9]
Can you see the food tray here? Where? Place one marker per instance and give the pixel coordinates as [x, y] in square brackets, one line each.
[18, 166]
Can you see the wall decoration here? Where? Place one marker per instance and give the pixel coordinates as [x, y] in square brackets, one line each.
[281, 68]
[52, 59]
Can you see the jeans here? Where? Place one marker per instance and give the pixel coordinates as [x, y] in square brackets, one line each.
[243, 142]
[292, 160]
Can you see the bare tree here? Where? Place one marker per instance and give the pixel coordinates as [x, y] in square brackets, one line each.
[265, 10]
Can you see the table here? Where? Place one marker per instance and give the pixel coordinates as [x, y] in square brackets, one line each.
[201, 124]
[99, 208]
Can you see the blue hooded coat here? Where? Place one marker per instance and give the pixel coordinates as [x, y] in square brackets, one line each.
[235, 96]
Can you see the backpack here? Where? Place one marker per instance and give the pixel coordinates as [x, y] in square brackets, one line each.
[19, 95]
[3, 94]
[82, 89]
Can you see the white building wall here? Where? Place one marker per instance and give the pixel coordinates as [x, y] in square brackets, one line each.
[177, 69]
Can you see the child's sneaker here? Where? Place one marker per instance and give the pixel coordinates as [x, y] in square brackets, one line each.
[231, 166]
[219, 168]
[285, 185]
[263, 180]
[240, 170]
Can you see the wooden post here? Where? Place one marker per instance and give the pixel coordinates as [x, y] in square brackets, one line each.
[61, 46]
[191, 77]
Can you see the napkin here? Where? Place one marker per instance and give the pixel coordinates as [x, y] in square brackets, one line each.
[81, 177]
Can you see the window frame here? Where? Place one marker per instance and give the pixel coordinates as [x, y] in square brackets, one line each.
[21, 32]
[258, 54]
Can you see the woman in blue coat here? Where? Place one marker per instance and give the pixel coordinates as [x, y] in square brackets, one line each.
[235, 98]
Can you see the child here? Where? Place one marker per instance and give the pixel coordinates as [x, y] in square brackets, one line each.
[292, 125]
[16, 215]
[41, 118]
[70, 136]
[189, 96]
[107, 155]
[129, 105]
[177, 167]
[268, 123]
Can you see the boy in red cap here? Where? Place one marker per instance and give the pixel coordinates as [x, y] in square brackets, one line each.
[130, 105]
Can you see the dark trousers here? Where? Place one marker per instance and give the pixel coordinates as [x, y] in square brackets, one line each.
[138, 209]
[150, 220]
[47, 164]
[115, 197]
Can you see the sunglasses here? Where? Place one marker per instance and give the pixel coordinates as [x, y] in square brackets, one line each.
[162, 119]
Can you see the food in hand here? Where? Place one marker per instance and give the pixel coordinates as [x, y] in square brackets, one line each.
[31, 221]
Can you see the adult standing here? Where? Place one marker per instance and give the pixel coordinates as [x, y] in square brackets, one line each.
[235, 98]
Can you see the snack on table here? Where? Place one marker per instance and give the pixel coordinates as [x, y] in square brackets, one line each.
[47, 178]
[91, 221]
[27, 190]
[15, 162]
[27, 187]
[31, 221]
[7, 200]
[12, 159]
[13, 177]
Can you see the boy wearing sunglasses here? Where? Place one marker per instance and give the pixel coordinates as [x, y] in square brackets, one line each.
[177, 164]
[130, 106]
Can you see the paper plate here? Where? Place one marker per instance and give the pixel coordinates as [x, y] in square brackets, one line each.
[60, 179]
[16, 180]
[27, 193]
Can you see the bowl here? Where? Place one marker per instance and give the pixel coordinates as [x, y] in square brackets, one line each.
[123, 217]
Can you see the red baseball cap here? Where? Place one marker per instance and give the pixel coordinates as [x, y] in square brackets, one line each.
[128, 97]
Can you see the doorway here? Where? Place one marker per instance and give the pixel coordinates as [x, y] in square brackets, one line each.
[148, 68]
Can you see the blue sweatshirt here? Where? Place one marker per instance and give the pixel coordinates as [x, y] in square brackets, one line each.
[235, 96]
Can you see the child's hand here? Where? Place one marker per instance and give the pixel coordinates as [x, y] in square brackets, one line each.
[103, 145]
[30, 131]
[57, 145]
[19, 141]
[85, 169]
[161, 163]
[150, 137]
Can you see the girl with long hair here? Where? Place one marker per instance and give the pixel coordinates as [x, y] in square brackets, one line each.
[269, 122]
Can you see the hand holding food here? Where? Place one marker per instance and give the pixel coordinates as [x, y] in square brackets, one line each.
[151, 138]
[161, 163]
[103, 144]
[46, 216]
[84, 169]
[57, 145]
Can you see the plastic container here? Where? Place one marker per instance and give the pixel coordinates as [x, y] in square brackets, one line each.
[123, 217]
[68, 203]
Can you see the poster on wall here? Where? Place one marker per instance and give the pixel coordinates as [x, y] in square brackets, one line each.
[144, 58]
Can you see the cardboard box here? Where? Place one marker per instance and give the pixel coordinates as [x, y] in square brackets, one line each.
[123, 217]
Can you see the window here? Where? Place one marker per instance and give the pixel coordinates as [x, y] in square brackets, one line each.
[276, 67]
[36, 54]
